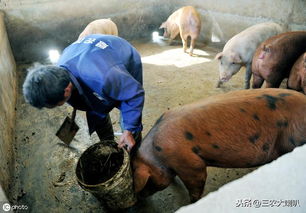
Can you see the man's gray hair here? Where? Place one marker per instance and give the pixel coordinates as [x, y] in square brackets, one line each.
[44, 85]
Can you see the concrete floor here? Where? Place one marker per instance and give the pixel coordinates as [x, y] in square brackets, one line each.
[171, 79]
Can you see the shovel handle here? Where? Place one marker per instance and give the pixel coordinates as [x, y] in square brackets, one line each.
[73, 114]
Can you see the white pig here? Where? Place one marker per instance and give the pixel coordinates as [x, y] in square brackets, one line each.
[100, 26]
[239, 50]
[185, 21]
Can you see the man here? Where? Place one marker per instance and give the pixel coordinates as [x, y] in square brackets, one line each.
[94, 74]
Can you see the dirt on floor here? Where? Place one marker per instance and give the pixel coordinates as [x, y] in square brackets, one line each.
[45, 169]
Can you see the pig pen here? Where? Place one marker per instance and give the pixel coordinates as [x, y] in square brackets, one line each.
[45, 168]
[36, 168]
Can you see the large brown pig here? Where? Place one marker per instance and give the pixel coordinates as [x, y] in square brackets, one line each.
[240, 129]
[297, 77]
[185, 21]
[275, 57]
[100, 26]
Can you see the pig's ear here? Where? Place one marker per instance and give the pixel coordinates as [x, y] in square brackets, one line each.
[141, 177]
[219, 56]
[267, 48]
[237, 59]
[163, 25]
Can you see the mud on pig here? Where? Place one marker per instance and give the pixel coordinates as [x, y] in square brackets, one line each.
[240, 129]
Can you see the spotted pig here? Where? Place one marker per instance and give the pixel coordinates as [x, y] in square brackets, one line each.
[240, 129]
[297, 77]
[274, 58]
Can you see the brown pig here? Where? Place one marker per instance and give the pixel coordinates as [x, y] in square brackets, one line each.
[240, 129]
[297, 77]
[100, 26]
[185, 21]
[275, 57]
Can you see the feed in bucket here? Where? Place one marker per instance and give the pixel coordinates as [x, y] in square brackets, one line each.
[105, 171]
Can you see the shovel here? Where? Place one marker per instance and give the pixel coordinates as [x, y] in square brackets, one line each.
[68, 129]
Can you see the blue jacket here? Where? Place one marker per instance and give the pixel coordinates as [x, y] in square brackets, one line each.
[107, 72]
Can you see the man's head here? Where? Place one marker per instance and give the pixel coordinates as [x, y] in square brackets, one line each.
[47, 86]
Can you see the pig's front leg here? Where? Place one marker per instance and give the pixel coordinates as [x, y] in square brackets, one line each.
[257, 81]
[248, 75]
[193, 177]
[195, 183]
[219, 84]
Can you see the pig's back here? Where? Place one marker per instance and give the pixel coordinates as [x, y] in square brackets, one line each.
[286, 48]
[292, 40]
[248, 40]
[189, 20]
[104, 26]
[237, 129]
[100, 26]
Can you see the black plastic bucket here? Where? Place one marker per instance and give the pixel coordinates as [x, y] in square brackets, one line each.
[105, 171]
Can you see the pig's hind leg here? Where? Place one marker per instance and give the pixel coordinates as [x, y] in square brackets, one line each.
[184, 40]
[192, 43]
[248, 75]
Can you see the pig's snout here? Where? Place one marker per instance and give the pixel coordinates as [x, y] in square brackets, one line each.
[225, 78]
[166, 34]
[261, 55]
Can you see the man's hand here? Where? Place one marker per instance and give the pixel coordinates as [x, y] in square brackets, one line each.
[126, 140]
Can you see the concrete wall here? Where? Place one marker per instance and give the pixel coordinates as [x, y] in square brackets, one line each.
[276, 187]
[8, 95]
[34, 26]
[225, 18]
[3, 198]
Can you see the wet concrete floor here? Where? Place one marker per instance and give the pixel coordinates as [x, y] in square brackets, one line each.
[45, 169]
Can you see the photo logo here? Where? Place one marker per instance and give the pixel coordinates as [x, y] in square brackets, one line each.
[6, 207]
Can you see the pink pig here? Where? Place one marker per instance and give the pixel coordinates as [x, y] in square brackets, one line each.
[185, 21]
[100, 26]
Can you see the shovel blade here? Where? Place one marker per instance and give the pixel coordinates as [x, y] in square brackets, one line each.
[67, 131]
